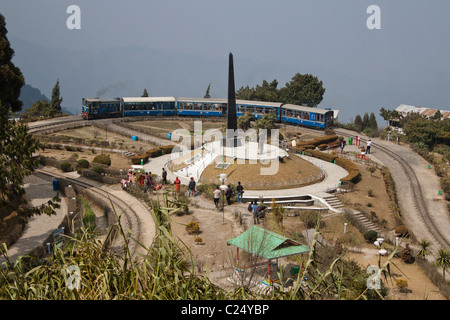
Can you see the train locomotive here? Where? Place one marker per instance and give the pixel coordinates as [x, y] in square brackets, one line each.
[95, 108]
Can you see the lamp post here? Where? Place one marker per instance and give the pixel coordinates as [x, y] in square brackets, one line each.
[381, 251]
[223, 177]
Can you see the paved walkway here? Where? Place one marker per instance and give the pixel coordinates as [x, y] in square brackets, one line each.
[38, 228]
[333, 174]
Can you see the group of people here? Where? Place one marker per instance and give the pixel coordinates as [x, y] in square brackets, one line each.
[257, 210]
[229, 194]
[144, 180]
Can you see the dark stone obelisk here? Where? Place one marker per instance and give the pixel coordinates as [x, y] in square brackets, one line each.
[231, 110]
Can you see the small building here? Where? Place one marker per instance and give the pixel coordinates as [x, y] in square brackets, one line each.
[405, 110]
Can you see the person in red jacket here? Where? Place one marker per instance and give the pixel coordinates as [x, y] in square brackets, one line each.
[177, 183]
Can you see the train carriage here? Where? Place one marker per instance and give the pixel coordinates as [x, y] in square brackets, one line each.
[95, 108]
[148, 106]
[201, 107]
[307, 116]
[258, 108]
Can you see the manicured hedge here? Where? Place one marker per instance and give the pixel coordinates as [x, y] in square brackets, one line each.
[353, 171]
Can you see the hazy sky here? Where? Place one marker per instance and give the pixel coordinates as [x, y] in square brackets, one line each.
[412, 47]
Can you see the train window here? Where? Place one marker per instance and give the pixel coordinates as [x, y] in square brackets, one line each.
[319, 118]
[259, 110]
[241, 108]
[198, 106]
[251, 109]
[207, 106]
[216, 107]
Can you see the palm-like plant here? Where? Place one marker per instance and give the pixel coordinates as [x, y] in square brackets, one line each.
[424, 250]
[443, 261]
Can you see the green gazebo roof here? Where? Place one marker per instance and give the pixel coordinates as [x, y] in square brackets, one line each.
[267, 244]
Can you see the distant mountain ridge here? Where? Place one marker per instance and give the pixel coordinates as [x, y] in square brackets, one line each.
[29, 95]
[125, 71]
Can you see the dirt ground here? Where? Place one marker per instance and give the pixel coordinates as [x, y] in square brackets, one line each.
[289, 173]
[213, 254]
[369, 195]
[117, 160]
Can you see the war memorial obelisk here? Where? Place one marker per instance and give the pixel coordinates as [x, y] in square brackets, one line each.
[231, 139]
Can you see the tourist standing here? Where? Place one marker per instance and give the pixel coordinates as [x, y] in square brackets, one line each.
[177, 183]
[240, 192]
[192, 186]
[369, 144]
[255, 213]
[216, 196]
[164, 175]
[133, 178]
[228, 194]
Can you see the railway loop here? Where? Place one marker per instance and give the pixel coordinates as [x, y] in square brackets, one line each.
[435, 229]
[131, 221]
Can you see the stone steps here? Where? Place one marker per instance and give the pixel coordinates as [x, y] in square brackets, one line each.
[334, 202]
[366, 222]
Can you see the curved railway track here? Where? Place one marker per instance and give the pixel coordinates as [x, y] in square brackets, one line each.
[123, 209]
[416, 190]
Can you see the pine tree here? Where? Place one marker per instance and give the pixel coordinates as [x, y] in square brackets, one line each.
[358, 123]
[17, 145]
[373, 122]
[55, 102]
[11, 78]
[145, 93]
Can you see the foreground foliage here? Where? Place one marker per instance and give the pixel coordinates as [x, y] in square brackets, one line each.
[162, 272]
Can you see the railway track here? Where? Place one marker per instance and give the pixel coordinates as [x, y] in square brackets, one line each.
[37, 126]
[124, 210]
[416, 191]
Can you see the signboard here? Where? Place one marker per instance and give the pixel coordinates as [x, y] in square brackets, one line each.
[58, 236]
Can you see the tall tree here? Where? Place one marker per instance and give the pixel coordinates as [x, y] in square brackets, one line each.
[365, 121]
[304, 90]
[373, 122]
[11, 78]
[55, 102]
[145, 93]
[17, 145]
[358, 123]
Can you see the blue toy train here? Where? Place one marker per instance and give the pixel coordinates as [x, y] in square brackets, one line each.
[94, 108]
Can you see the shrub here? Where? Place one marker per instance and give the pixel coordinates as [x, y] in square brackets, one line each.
[167, 149]
[103, 159]
[98, 169]
[153, 152]
[136, 160]
[66, 166]
[192, 227]
[401, 230]
[401, 284]
[370, 235]
[83, 163]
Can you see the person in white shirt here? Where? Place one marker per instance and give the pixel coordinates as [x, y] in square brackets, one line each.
[216, 196]
[369, 144]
